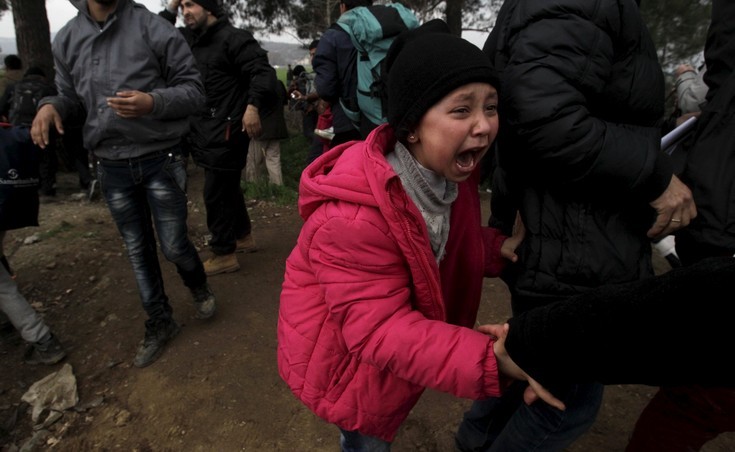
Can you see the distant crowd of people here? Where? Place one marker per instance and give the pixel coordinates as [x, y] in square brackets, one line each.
[381, 292]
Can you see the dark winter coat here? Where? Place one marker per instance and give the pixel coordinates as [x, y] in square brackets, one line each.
[710, 162]
[235, 72]
[581, 98]
[274, 122]
[336, 74]
[673, 329]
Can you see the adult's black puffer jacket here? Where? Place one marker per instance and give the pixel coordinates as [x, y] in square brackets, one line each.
[581, 98]
[710, 162]
[236, 72]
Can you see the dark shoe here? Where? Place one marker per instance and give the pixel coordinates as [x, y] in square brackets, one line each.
[155, 340]
[204, 301]
[49, 351]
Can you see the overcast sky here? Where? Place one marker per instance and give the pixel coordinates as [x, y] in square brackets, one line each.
[61, 11]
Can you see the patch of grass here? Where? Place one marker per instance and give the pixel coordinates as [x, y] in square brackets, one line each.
[263, 190]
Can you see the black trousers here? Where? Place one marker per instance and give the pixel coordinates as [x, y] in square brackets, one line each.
[227, 216]
[47, 170]
[75, 156]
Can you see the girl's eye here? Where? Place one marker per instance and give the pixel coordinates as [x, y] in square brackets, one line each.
[491, 108]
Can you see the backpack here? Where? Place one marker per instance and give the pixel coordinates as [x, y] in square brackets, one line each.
[19, 178]
[26, 95]
[372, 30]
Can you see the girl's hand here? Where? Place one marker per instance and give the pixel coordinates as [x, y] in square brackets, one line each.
[507, 366]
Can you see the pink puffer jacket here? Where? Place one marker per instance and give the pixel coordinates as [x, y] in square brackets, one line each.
[367, 318]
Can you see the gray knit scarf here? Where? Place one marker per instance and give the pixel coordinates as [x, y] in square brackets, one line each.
[432, 194]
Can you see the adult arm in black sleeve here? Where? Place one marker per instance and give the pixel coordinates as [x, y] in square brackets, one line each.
[672, 329]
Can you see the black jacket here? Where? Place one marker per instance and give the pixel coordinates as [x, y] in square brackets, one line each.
[672, 329]
[710, 163]
[581, 100]
[274, 122]
[235, 72]
[336, 73]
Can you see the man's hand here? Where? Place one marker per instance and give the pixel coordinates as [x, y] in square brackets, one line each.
[507, 366]
[683, 118]
[682, 68]
[45, 116]
[131, 104]
[173, 6]
[251, 122]
[675, 209]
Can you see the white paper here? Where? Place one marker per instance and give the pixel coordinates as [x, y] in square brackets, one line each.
[673, 137]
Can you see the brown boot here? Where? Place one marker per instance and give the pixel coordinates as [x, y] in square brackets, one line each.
[246, 244]
[226, 263]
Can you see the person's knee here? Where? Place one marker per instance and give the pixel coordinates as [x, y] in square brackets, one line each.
[174, 245]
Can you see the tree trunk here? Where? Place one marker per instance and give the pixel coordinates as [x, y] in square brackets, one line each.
[454, 16]
[32, 35]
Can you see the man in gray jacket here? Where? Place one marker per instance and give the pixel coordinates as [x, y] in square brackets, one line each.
[133, 75]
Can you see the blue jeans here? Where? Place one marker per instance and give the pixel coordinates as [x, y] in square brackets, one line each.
[506, 424]
[357, 442]
[142, 193]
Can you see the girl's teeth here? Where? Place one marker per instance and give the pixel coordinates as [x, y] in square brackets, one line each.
[466, 159]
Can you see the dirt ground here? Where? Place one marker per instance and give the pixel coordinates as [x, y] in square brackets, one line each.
[217, 386]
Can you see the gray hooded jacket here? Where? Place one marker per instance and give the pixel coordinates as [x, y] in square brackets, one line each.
[133, 50]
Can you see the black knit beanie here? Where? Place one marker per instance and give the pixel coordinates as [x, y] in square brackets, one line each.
[210, 5]
[424, 65]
